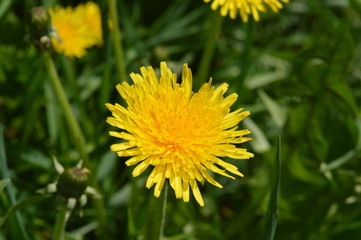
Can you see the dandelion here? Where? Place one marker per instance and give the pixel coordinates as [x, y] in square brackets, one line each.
[90, 13]
[76, 29]
[245, 7]
[180, 134]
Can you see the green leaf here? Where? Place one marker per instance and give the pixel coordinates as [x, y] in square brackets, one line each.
[4, 6]
[121, 197]
[316, 137]
[298, 118]
[343, 98]
[4, 171]
[264, 79]
[259, 141]
[84, 230]
[299, 167]
[88, 84]
[36, 158]
[340, 53]
[106, 165]
[21, 204]
[3, 184]
[330, 56]
[338, 161]
[278, 113]
[3, 164]
[271, 215]
[352, 154]
[356, 4]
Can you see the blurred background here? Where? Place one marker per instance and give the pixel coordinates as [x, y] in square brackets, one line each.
[298, 72]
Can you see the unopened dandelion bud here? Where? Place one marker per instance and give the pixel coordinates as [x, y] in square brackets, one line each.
[38, 30]
[73, 182]
[39, 23]
[39, 16]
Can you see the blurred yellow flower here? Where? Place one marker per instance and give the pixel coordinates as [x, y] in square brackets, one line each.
[76, 29]
[245, 7]
[181, 134]
[92, 19]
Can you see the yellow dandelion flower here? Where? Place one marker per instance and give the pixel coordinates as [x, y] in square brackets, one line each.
[179, 133]
[245, 7]
[92, 19]
[76, 29]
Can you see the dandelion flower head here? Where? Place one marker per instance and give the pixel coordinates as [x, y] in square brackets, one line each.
[245, 7]
[76, 29]
[90, 13]
[179, 134]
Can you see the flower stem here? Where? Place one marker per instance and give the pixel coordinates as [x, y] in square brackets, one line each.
[60, 222]
[245, 62]
[65, 105]
[78, 138]
[214, 30]
[117, 41]
[164, 211]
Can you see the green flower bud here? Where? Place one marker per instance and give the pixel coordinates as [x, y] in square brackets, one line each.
[73, 182]
[38, 29]
[39, 16]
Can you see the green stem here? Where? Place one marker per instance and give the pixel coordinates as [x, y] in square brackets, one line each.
[78, 138]
[65, 105]
[214, 30]
[117, 41]
[101, 213]
[248, 49]
[216, 216]
[60, 222]
[245, 63]
[106, 86]
[164, 213]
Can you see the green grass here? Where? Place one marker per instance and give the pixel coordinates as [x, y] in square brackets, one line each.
[297, 71]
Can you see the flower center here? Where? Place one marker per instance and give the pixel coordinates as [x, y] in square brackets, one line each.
[180, 128]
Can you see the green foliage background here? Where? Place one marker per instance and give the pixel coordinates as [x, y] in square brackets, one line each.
[298, 72]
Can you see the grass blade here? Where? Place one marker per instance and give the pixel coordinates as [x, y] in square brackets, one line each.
[271, 215]
[22, 204]
[4, 173]
[3, 184]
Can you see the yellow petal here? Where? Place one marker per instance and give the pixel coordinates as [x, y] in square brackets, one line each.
[140, 168]
[185, 191]
[135, 160]
[196, 193]
[159, 185]
[129, 152]
[121, 146]
[210, 179]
